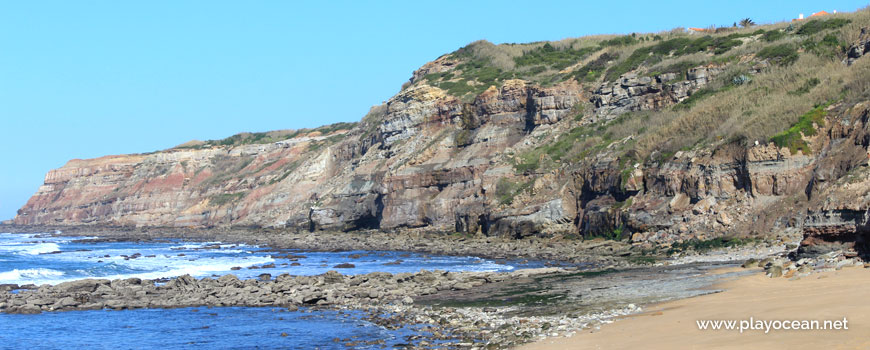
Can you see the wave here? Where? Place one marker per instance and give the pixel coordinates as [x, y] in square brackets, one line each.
[30, 248]
[35, 276]
[40, 248]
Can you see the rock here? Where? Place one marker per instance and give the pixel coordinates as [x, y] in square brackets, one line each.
[8, 287]
[462, 286]
[65, 302]
[750, 263]
[407, 300]
[28, 309]
[344, 266]
[86, 285]
[774, 271]
[265, 277]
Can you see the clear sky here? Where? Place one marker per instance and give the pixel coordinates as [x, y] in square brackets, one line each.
[82, 79]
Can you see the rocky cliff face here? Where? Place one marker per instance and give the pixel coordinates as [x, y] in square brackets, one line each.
[430, 160]
[427, 162]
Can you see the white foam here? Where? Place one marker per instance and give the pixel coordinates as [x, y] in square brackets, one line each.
[35, 276]
[196, 268]
[30, 248]
[40, 248]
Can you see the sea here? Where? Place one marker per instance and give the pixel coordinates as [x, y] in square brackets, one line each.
[48, 259]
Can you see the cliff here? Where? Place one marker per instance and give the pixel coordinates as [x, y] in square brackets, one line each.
[652, 138]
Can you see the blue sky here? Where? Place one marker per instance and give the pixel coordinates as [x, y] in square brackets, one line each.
[89, 78]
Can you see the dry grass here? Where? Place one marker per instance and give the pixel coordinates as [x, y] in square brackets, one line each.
[772, 102]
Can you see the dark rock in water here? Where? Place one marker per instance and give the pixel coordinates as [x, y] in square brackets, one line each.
[28, 309]
[284, 334]
[396, 262]
[265, 277]
[236, 268]
[344, 266]
[268, 266]
[54, 252]
[296, 264]
[8, 287]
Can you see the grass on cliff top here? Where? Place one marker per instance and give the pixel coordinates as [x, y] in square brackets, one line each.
[247, 138]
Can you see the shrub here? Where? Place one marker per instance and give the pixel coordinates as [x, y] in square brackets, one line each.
[624, 40]
[783, 54]
[773, 35]
[816, 25]
[592, 70]
[549, 56]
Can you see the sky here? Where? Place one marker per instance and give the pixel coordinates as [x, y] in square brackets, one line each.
[83, 79]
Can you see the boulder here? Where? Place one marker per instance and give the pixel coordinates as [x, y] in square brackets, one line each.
[86, 285]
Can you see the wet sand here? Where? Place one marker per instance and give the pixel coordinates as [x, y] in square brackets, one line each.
[829, 295]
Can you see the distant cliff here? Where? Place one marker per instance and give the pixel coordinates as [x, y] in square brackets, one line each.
[653, 138]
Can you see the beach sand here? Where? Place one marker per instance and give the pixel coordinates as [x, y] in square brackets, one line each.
[829, 295]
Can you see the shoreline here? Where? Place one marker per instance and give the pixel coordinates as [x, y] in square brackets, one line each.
[504, 309]
[586, 253]
[825, 295]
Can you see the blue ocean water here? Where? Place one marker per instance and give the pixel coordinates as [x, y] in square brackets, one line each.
[39, 259]
[195, 328]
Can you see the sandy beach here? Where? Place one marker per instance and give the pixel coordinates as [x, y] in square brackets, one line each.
[829, 295]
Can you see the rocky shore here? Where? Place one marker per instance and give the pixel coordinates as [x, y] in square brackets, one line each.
[331, 288]
[599, 280]
[602, 253]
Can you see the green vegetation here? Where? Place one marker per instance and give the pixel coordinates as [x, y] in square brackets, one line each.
[592, 71]
[614, 234]
[698, 245]
[681, 68]
[224, 198]
[814, 26]
[549, 56]
[506, 190]
[625, 40]
[247, 138]
[793, 137]
[675, 47]
[773, 35]
[783, 54]
[828, 46]
[555, 151]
